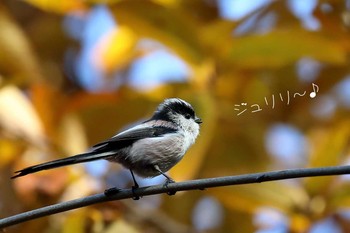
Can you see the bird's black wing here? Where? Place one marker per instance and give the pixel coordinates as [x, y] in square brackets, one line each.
[128, 137]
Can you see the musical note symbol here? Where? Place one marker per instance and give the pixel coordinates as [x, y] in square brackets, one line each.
[313, 94]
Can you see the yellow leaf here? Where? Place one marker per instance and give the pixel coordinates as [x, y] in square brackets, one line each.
[248, 198]
[171, 26]
[18, 116]
[328, 147]
[116, 49]
[18, 63]
[75, 222]
[8, 151]
[73, 138]
[121, 226]
[168, 2]
[62, 6]
[299, 223]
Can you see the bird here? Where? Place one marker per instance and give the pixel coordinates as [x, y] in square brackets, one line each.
[148, 149]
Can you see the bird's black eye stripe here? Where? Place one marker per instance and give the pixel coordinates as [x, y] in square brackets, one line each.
[175, 107]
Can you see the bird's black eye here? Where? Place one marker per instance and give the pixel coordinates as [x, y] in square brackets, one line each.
[187, 116]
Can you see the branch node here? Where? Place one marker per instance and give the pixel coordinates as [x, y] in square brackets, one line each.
[261, 178]
[112, 191]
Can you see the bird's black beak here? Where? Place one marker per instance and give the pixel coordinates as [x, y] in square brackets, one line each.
[198, 120]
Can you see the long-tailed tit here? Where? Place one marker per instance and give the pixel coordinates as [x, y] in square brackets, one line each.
[148, 149]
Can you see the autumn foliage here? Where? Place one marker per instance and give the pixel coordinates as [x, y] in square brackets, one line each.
[272, 88]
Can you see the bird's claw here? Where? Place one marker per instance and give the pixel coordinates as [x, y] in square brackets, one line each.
[134, 196]
[170, 181]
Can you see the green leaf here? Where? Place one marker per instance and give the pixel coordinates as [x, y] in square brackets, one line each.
[282, 47]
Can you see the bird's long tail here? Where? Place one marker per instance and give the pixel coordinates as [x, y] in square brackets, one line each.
[80, 158]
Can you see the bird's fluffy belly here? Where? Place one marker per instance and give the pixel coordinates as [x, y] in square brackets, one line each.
[146, 153]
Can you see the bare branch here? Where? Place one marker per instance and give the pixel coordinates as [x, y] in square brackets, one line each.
[200, 184]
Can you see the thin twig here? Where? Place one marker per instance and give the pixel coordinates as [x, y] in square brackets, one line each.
[172, 188]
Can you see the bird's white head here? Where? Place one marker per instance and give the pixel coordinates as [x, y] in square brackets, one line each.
[180, 113]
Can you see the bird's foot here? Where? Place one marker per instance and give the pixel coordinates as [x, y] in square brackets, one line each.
[134, 195]
[169, 181]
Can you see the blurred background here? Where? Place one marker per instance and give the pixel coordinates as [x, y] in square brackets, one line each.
[270, 79]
